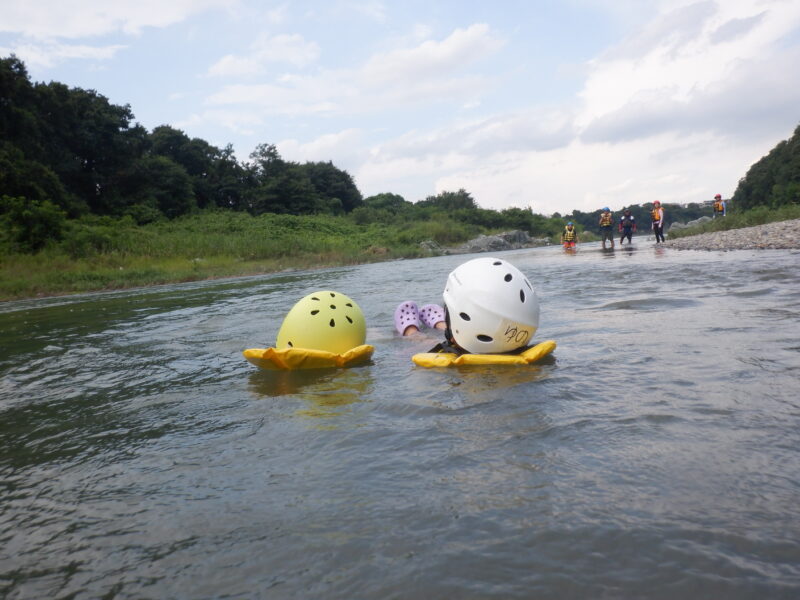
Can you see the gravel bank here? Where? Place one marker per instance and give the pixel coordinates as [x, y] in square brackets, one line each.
[779, 235]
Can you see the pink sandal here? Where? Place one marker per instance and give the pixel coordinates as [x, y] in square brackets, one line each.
[431, 314]
[406, 315]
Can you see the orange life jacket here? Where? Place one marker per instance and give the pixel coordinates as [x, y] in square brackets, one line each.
[718, 206]
[605, 219]
[656, 214]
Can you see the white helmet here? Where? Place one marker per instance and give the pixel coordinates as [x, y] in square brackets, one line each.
[491, 307]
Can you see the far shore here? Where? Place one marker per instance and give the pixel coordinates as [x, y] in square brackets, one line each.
[779, 235]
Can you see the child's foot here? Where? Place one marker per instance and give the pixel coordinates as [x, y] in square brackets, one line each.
[432, 315]
[406, 318]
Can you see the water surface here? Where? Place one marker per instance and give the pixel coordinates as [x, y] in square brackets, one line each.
[657, 455]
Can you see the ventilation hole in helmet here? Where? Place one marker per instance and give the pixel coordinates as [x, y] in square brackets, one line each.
[332, 323]
[497, 263]
[313, 312]
[522, 296]
[508, 277]
[464, 316]
[315, 298]
[528, 283]
[333, 306]
[349, 320]
[291, 345]
[484, 338]
[350, 305]
[333, 295]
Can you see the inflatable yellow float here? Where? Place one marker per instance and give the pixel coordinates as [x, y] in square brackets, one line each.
[323, 330]
[449, 359]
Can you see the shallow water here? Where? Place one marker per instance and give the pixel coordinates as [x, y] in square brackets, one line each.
[657, 455]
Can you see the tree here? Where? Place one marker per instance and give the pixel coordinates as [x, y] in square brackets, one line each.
[772, 180]
[156, 182]
[201, 160]
[18, 110]
[88, 142]
[277, 186]
[28, 225]
[333, 186]
[20, 177]
[449, 200]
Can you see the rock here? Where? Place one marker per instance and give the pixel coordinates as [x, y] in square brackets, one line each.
[778, 235]
[679, 226]
[507, 240]
[432, 247]
[487, 243]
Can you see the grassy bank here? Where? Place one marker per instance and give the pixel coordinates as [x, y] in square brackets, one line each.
[738, 220]
[104, 253]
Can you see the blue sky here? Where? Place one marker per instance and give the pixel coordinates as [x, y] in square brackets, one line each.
[553, 105]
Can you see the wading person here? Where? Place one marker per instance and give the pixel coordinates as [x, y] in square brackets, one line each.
[569, 237]
[719, 206]
[627, 226]
[657, 214]
[606, 223]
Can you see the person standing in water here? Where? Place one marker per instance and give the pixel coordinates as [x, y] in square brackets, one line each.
[719, 206]
[569, 237]
[627, 226]
[606, 223]
[657, 215]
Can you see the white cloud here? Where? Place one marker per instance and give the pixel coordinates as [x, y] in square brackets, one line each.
[302, 97]
[82, 18]
[346, 145]
[48, 53]
[431, 59]
[277, 15]
[239, 121]
[291, 49]
[588, 176]
[372, 9]
[532, 130]
[691, 66]
[428, 72]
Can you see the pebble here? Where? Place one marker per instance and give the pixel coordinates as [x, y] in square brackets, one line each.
[782, 235]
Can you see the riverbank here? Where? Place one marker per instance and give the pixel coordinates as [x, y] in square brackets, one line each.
[780, 235]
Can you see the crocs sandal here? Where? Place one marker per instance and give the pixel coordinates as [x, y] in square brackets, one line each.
[431, 314]
[406, 315]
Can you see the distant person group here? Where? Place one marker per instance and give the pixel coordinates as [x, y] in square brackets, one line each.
[627, 225]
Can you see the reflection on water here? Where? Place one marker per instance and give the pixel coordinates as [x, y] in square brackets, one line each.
[655, 454]
[323, 392]
[471, 386]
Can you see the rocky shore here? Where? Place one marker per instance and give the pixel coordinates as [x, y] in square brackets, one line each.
[780, 235]
[508, 240]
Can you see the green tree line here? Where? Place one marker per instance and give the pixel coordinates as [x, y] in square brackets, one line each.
[774, 180]
[69, 157]
[69, 152]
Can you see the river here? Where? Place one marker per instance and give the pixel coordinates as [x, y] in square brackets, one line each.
[655, 455]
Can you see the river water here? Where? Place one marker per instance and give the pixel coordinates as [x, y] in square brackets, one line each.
[656, 455]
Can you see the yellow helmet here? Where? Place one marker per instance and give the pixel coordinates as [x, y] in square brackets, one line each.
[324, 320]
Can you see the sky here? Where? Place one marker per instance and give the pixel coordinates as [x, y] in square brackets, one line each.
[552, 105]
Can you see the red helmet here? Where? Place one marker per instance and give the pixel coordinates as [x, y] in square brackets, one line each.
[656, 203]
[717, 197]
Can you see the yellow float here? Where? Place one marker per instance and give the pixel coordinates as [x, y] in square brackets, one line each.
[303, 358]
[449, 359]
[323, 330]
